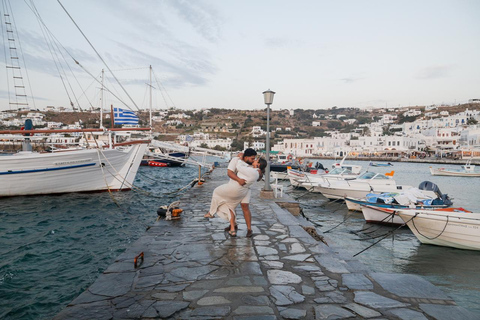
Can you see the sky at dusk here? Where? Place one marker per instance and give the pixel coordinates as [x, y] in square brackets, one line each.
[225, 53]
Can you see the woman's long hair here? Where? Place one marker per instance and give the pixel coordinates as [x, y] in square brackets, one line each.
[262, 164]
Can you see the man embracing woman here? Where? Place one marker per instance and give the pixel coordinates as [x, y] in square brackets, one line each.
[243, 171]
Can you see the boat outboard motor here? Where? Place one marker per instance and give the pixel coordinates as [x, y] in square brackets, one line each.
[430, 186]
[26, 146]
[320, 166]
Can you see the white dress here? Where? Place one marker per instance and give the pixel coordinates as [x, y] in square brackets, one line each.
[227, 196]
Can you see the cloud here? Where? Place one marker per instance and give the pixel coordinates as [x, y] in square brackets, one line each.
[37, 56]
[187, 67]
[434, 72]
[202, 17]
[282, 42]
[350, 80]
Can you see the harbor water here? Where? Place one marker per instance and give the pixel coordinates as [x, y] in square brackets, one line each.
[54, 247]
[455, 271]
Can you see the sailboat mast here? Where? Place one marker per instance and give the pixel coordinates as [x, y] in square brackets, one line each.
[150, 96]
[101, 103]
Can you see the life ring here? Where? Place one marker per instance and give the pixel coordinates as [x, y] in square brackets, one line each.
[290, 157]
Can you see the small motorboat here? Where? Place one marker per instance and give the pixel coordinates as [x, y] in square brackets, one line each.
[155, 163]
[296, 177]
[468, 170]
[426, 196]
[380, 164]
[174, 159]
[450, 227]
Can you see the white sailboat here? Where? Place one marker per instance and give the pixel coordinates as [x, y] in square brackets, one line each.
[32, 173]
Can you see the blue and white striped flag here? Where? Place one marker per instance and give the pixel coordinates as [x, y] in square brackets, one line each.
[122, 116]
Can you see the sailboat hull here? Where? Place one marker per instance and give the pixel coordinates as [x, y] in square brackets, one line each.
[29, 173]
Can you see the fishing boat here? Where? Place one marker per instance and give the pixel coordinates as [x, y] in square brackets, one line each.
[380, 215]
[452, 227]
[380, 164]
[426, 196]
[468, 170]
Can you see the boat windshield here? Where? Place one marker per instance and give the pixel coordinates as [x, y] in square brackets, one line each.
[367, 176]
[336, 171]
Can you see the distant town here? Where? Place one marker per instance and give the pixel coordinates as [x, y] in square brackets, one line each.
[419, 131]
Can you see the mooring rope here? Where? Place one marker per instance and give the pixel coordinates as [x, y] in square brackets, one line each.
[390, 215]
[445, 227]
[386, 235]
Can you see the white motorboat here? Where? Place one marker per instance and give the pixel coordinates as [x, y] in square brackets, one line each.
[368, 182]
[296, 176]
[32, 173]
[310, 182]
[468, 170]
[451, 227]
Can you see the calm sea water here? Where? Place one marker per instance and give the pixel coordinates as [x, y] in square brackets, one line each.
[54, 247]
[454, 271]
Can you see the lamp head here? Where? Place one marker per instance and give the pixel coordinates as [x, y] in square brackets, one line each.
[268, 96]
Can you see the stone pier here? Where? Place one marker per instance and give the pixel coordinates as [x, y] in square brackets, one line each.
[192, 269]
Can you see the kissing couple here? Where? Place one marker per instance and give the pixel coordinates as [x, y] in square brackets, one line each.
[243, 171]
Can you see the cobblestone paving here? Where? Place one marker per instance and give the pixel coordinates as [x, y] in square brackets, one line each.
[193, 270]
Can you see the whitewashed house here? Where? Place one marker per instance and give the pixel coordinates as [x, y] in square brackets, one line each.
[256, 145]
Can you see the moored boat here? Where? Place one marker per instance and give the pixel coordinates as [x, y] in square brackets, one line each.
[451, 227]
[426, 196]
[468, 170]
[368, 182]
[380, 215]
[32, 173]
[380, 164]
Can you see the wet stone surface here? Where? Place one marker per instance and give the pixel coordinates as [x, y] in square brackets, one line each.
[194, 270]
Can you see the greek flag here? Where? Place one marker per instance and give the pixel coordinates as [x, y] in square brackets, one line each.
[122, 116]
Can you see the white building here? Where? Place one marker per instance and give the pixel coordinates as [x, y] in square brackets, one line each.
[212, 143]
[470, 137]
[350, 121]
[54, 125]
[256, 145]
[174, 122]
[412, 113]
[179, 116]
[316, 123]
[257, 132]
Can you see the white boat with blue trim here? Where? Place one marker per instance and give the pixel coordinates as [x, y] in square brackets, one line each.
[88, 170]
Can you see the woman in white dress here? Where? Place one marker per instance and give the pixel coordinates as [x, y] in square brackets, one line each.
[227, 197]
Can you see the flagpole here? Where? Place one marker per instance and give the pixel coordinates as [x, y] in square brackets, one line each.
[111, 116]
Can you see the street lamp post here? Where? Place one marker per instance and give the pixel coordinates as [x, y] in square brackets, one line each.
[268, 96]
